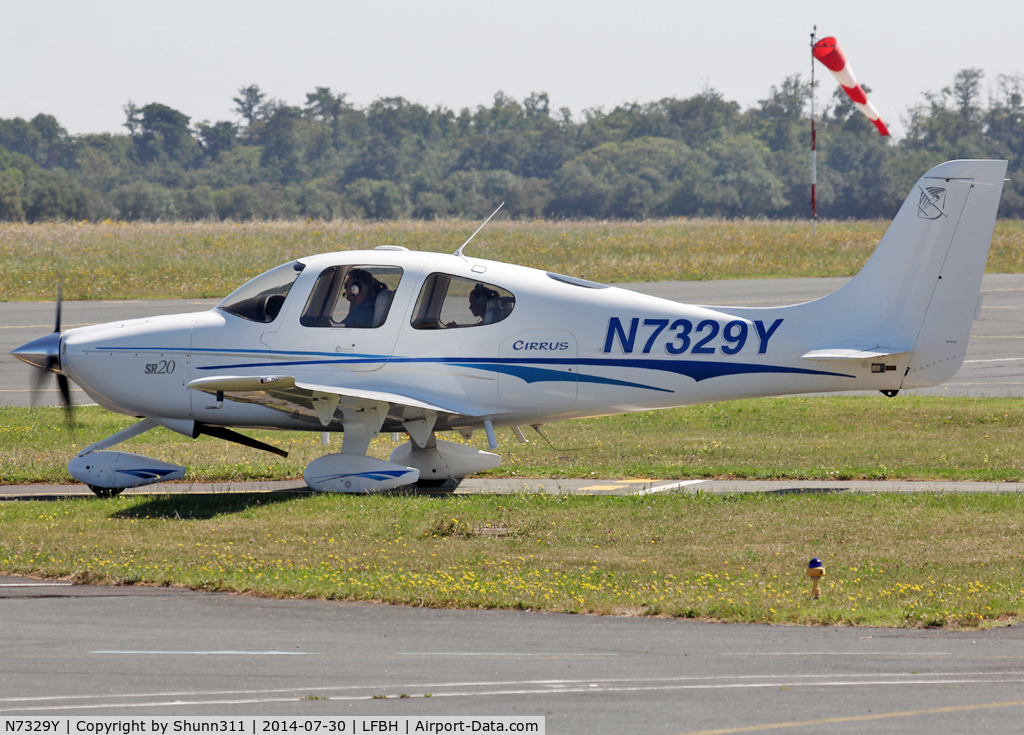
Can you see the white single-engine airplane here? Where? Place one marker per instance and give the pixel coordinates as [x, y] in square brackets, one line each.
[396, 341]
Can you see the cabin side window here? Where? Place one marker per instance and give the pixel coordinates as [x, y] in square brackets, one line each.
[447, 302]
[351, 296]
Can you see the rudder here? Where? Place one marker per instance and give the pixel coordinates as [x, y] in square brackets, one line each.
[941, 343]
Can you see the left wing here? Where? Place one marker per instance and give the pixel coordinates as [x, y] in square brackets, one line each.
[370, 409]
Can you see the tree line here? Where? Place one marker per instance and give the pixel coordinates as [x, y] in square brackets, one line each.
[327, 158]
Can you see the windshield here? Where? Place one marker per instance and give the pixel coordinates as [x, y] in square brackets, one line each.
[261, 299]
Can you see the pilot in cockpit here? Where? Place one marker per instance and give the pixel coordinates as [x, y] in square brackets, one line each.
[361, 290]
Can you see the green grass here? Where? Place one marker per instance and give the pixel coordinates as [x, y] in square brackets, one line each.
[891, 560]
[835, 437]
[210, 259]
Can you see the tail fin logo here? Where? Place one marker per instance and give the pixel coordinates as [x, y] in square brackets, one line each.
[931, 203]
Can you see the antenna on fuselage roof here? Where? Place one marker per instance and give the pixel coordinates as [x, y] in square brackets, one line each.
[459, 251]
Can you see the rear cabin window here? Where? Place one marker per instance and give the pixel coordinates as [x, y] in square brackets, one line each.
[447, 302]
[351, 296]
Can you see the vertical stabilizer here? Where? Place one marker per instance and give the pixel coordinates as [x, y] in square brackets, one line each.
[919, 291]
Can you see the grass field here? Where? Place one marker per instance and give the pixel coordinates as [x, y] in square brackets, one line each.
[834, 437]
[892, 560]
[934, 560]
[210, 259]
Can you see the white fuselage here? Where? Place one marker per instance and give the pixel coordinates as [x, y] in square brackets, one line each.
[566, 350]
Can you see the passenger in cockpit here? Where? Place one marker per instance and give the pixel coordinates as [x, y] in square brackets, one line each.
[361, 294]
[478, 300]
[479, 297]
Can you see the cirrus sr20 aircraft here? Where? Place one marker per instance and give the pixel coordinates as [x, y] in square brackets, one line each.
[396, 341]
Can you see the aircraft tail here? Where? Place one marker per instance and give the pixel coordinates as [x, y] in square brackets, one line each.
[920, 291]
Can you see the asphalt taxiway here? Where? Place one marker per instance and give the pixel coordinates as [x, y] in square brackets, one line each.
[133, 651]
[509, 485]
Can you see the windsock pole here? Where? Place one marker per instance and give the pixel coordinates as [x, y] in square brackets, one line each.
[814, 145]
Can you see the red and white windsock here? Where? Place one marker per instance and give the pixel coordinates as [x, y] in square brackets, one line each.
[827, 51]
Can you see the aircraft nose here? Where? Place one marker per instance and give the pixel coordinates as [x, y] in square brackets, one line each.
[44, 352]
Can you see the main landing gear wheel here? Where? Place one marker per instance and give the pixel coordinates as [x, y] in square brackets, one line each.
[106, 492]
[431, 483]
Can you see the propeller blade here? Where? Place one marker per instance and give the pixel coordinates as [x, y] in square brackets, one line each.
[60, 300]
[65, 395]
[42, 375]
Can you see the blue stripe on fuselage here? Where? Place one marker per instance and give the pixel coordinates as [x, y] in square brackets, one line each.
[531, 370]
[544, 375]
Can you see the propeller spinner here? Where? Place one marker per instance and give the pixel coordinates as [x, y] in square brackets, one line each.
[44, 354]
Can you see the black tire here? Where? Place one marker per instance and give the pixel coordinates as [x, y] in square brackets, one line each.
[431, 483]
[106, 492]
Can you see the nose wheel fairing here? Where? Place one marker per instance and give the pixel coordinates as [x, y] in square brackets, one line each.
[120, 470]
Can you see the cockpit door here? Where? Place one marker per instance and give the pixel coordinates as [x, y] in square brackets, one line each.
[347, 318]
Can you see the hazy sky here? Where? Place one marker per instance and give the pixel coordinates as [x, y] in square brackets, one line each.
[82, 61]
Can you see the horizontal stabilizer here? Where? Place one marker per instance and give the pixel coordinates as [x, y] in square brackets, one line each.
[852, 352]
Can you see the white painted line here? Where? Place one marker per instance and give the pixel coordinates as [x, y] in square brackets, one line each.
[648, 683]
[211, 653]
[454, 653]
[997, 359]
[175, 703]
[669, 486]
[679, 687]
[505, 683]
[44, 390]
[842, 653]
[581, 688]
[35, 584]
